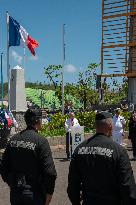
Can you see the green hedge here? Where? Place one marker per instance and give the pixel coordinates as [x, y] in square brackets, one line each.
[55, 127]
[127, 116]
[86, 119]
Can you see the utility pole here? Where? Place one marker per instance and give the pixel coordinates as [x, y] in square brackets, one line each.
[8, 66]
[63, 62]
[132, 56]
[101, 87]
[41, 99]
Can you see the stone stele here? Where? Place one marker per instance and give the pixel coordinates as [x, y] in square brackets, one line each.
[17, 90]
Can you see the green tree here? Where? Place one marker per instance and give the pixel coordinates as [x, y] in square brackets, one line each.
[53, 73]
[86, 85]
[115, 93]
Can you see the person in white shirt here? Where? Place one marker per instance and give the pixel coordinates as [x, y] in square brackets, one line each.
[118, 127]
[70, 122]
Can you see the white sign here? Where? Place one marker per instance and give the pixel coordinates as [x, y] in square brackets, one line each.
[77, 134]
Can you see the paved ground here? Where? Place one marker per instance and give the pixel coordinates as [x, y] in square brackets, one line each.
[60, 196]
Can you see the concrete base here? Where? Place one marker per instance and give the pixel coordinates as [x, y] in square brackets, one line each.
[61, 140]
[54, 141]
[19, 116]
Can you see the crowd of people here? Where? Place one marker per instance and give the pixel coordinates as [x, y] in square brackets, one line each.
[99, 173]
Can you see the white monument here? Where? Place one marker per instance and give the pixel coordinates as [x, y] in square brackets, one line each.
[17, 90]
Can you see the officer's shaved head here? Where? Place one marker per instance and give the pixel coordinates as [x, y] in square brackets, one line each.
[32, 116]
[103, 123]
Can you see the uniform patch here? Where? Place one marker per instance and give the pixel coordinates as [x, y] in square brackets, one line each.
[96, 151]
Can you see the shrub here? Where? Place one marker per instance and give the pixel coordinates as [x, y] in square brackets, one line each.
[87, 119]
[127, 116]
[57, 125]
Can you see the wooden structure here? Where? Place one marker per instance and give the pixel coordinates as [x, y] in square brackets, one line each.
[118, 50]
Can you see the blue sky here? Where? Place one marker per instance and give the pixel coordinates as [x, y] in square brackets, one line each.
[43, 20]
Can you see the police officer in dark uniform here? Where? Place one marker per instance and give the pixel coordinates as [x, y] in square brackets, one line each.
[100, 170]
[27, 164]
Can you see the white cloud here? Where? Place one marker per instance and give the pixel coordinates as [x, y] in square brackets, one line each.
[70, 68]
[16, 57]
[33, 58]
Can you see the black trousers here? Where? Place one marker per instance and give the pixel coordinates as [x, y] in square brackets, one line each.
[67, 144]
[4, 135]
[133, 140]
[26, 197]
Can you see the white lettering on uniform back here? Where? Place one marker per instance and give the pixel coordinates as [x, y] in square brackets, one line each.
[22, 144]
[96, 150]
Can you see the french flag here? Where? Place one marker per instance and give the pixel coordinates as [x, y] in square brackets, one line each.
[18, 35]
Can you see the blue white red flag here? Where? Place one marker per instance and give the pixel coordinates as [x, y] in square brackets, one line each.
[18, 35]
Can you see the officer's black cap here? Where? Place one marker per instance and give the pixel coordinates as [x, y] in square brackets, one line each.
[103, 116]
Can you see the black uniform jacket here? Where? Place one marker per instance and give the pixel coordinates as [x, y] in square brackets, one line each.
[132, 129]
[101, 171]
[29, 154]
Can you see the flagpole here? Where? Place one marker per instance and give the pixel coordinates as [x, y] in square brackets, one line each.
[63, 62]
[2, 90]
[8, 67]
[24, 58]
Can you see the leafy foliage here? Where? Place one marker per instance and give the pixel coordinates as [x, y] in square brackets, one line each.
[56, 126]
[86, 85]
[86, 119]
[53, 73]
[83, 95]
[127, 116]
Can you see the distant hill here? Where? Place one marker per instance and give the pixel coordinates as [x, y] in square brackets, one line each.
[48, 99]
[44, 94]
[30, 85]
